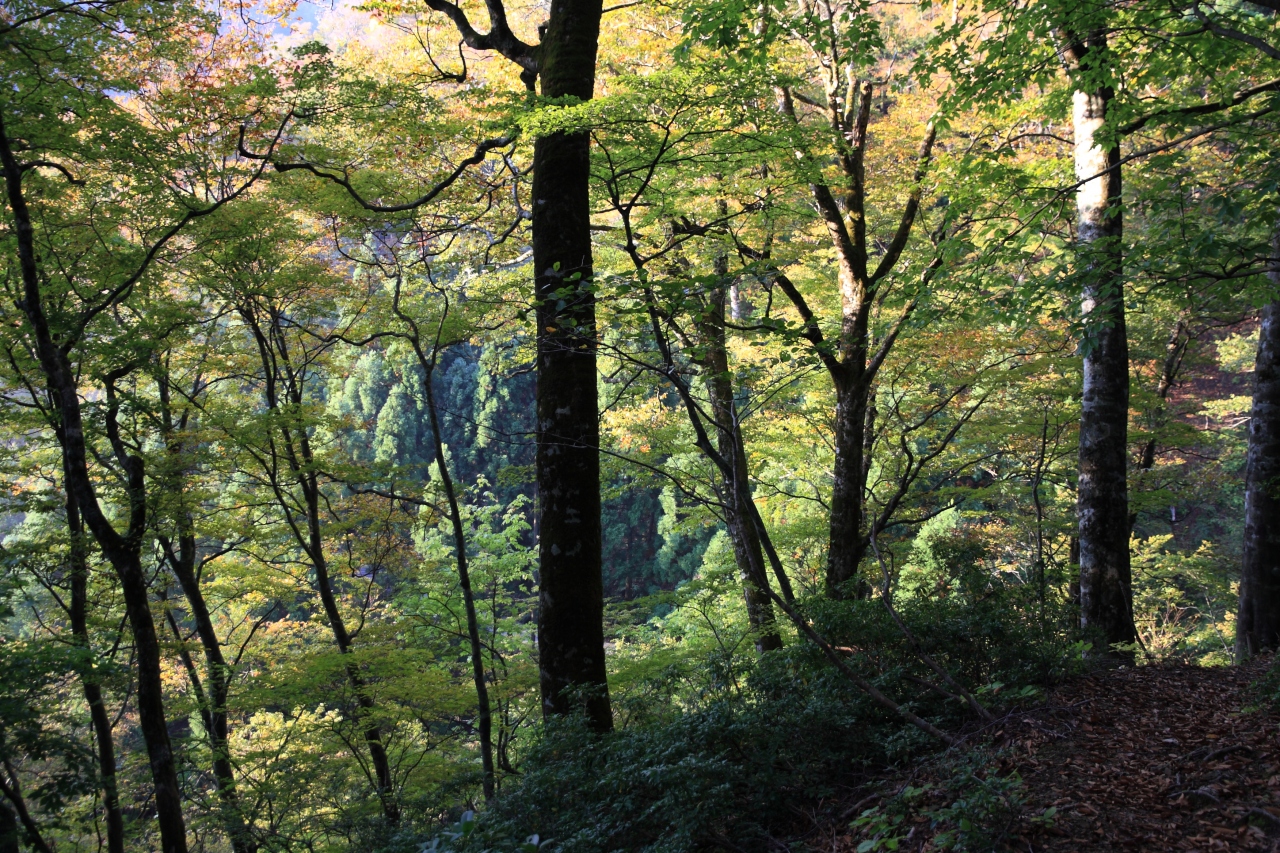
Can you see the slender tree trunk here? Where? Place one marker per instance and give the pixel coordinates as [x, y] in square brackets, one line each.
[99, 719]
[150, 692]
[373, 734]
[1103, 502]
[16, 807]
[571, 600]
[218, 678]
[1173, 352]
[122, 552]
[479, 674]
[735, 487]
[183, 563]
[1258, 621]
[295, 450]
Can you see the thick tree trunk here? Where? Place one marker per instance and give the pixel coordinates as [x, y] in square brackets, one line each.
[571, 601]
[1102, 497]
[846, 548]
[1258, 620]
[8, 830]
[735, 488]
[122, 552]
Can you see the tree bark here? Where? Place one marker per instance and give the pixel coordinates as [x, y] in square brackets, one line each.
[1258, 620]
[847, 546]
[571, 598]
[1106, 605]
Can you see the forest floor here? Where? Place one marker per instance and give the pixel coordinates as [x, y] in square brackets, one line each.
[1155, 758]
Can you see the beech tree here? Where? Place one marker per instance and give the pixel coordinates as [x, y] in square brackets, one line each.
[1258, 617]
[1106, 596]
[269, 566]
[561, 68]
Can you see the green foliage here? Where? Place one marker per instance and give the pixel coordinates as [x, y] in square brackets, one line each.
[725, 771]
[39, 727]
[1183, 602]
[259, 371]
[704, 766]
[973, 807]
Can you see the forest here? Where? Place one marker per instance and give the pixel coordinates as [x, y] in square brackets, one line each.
[711, 425]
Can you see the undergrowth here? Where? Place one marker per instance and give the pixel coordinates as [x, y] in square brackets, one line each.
[1266, 689]
[788, 747]
[968, 806]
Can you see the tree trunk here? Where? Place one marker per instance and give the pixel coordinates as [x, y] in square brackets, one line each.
[1258, 621]
[735, 489]
[99, 719]
[218, 677]
[8, 830]
[299, 458]
[122, 552]
[571, 601]
[479, 674]
[342, 638]
[846, 548]
[1106, 606]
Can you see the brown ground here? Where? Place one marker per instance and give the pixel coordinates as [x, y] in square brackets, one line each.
[1158, 758]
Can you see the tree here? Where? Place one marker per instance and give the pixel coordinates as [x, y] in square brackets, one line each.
[571, 631]
[571, 602]
[1097, 46]
[825, 85]
[1106, 594]
[1258, 620]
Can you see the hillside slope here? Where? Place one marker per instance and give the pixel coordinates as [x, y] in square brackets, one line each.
[1158, 758]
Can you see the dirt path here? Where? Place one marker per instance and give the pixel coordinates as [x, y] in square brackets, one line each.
[1153, 759]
